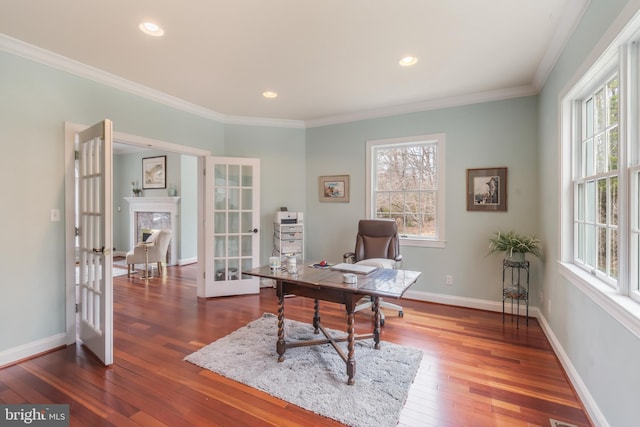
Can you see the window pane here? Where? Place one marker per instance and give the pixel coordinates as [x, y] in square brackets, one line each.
[613, 244]
[601, 154]
[383, 203]
[614, 200]
[602, 249]
[588, 158]
[602, 201]
[590, 202]
[581, 242]
[599, 111]
[590, 245]
[581, 201]
[613, 149]
[612, 102]
[588, 116]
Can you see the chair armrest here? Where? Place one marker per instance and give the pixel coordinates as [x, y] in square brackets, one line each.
[399, 258]
[349, 257]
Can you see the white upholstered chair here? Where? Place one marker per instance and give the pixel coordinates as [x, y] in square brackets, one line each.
[157, 245]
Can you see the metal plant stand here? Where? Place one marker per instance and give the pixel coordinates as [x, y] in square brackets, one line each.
[515, 287]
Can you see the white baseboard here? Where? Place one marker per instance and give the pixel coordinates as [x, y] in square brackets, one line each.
[469, 302]
[24, 351]
[186, 261]
[590, 405]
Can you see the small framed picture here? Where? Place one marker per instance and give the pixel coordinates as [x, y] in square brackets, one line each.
[154, 172]
[487, 189]
[334, 188]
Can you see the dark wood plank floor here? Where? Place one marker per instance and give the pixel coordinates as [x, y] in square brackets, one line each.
[476, 370]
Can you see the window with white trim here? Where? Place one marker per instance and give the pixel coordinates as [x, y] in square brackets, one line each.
[596, 181]
[405, 182]
[600, 175]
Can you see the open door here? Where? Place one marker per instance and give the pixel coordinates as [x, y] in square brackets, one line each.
[96, 240]
[232, 233]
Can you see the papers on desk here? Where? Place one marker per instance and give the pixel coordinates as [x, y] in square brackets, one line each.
[354, 268]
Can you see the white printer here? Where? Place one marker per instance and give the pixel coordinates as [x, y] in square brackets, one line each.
[286, 217]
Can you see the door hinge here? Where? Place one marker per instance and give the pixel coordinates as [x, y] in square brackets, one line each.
[77, 231]
[76, 155]
[77, 308]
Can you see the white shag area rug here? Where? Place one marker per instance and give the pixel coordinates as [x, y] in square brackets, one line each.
[315, 377]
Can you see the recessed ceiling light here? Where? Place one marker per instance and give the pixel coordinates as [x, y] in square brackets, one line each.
[408, 61]
[151, 29]
[269, 94]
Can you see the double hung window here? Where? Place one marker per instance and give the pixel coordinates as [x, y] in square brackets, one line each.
[405, 182]
[600, 181]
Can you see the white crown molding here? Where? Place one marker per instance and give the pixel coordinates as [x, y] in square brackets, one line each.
[435, 104]
[54, 60]
[59, 62]
[567, 23]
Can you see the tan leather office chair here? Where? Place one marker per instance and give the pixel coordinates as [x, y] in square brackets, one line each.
[377, 244]
[157, 245]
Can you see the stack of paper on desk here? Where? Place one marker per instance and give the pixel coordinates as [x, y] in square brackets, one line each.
[354, 268]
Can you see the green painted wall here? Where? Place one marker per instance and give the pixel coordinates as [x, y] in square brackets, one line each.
[521, 134]
[493, 134]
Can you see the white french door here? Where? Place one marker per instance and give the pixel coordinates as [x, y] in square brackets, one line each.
[96, 240]
[232, 218]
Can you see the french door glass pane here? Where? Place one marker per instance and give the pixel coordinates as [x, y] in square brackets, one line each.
[247, 199]
[234, 222]
[234, 176]
[247, 176]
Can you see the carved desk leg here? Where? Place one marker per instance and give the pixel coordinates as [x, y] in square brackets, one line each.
[376, 322]
[280, 345]
[316, 316]
[351, 360]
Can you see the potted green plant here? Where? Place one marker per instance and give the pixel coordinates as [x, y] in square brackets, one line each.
[514, 245]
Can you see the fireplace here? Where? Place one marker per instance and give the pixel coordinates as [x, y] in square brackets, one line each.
[154, 213]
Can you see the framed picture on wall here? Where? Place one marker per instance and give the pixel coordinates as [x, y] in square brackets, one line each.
[334, 188]
[487, 189]
[154, 172]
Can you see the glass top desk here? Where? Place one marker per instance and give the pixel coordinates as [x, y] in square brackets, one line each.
[327, 285]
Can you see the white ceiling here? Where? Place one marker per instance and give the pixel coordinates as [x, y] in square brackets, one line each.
[329, 60]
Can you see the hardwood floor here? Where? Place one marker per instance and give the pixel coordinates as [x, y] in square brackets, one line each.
[476, 371]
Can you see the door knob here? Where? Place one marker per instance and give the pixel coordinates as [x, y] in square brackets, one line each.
[255, 230]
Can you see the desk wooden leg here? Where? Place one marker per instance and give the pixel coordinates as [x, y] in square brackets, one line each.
[351, 360]
[280, 345]
[316, 316]
[376, 322]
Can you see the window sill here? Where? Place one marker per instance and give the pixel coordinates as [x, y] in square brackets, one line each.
[422, 243]
[622, 308]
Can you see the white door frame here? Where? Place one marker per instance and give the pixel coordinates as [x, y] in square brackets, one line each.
[70, 131]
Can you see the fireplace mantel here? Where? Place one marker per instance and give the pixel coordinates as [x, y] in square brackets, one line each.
[155, 204]
[149, 204]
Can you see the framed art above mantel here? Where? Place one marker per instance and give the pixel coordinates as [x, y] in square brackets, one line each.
[154, 172]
